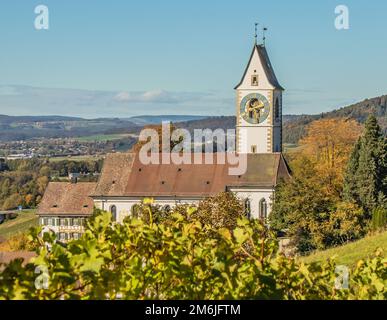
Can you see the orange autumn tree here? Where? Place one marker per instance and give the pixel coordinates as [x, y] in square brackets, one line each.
[159, 129]
[328, 144]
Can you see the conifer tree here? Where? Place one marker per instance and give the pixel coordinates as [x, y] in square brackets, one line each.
[365, 180]
[350, 178]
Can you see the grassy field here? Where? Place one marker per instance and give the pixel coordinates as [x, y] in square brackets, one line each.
[292, 148]
[350, 253]
[21, 224]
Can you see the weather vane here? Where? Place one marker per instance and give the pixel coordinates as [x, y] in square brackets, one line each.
[264, 35]
[256, 32]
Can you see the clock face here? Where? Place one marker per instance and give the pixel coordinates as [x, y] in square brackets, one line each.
[254, 108]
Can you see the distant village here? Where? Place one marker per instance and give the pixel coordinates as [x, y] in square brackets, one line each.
[59, 148]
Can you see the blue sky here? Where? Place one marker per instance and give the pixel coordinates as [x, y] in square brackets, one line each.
[121, 58]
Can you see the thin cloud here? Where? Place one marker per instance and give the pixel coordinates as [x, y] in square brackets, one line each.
[8, 91]
[159, 96]
[26, 100]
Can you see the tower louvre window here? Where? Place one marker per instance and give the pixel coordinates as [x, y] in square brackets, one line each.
[277, 109]
[254, 80]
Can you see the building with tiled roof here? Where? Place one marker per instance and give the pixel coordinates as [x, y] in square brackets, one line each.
[126, 180]
[7, 257]
[65, 207]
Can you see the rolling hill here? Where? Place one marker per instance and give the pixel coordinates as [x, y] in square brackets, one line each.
[295, 125]
[350, 253]
[29, 127]
[146, 120]
[24, 127]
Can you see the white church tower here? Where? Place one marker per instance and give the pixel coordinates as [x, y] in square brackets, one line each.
[259, 106]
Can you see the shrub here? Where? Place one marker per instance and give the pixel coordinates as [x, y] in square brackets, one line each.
[179, 258]
[379, 219]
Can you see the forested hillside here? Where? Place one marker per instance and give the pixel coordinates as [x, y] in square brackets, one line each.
[23, 182]
[24, 128]
[295, 126]
[213, 123]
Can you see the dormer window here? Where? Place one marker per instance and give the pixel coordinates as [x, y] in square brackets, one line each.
[254, 80]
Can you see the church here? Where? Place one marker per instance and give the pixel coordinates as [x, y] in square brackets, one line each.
[125, 181]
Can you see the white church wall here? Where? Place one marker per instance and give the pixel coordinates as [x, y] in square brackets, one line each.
[255, 196]
[124, 205]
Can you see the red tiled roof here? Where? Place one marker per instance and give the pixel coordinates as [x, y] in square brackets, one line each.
[124, 175]
[64, 198]
[7, 257]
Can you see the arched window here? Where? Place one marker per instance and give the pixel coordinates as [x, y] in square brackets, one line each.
[277, 109]
[263, 209]
[113, 211]
[135, 211]
[248, 208]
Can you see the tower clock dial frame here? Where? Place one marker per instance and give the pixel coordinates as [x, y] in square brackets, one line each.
[254, 108]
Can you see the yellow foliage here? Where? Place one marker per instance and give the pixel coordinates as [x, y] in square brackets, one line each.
[18, 242]
[328, 144]
[28, 199]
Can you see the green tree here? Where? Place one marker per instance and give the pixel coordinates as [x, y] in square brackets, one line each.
[12, 202]
[5, 187]
[346, 223]
[220, 211]
[301, 206]
[310, 215]
[379, 219]
[350, 178]
[366, 180]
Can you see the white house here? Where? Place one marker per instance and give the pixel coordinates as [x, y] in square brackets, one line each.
[65, 207]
